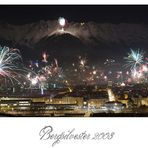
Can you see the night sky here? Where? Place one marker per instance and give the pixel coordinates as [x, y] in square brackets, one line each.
[98, 13]
[110, 14]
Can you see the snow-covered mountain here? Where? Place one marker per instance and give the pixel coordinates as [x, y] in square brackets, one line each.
[89, 38]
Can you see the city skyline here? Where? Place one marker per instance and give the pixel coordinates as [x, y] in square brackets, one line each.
[58, 62]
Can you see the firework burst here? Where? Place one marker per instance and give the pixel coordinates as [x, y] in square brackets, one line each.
[10, 62]
[82, 63]
[134, 59]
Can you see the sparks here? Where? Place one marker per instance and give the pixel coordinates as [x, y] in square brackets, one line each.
[134, 59]
[9, 67]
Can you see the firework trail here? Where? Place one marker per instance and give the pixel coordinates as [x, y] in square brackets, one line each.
[45, 56]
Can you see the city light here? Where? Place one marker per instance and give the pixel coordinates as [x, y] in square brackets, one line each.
[111, 95]
[45, 56]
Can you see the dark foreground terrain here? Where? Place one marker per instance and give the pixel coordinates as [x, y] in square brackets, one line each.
[82, 115]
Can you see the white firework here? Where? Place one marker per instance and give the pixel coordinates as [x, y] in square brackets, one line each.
[134, 59]
[61, 21]
[10, 63]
